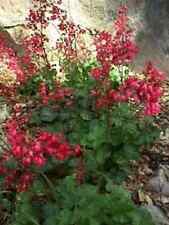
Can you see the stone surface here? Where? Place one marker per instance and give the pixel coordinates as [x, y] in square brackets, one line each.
[13, 12]
[149, 18]
[4, 112]
[157, 214]
[160, 182]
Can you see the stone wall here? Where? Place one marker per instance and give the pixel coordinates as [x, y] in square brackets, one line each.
[13, 12]
[149, 18]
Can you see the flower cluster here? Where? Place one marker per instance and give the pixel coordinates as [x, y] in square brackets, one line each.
[37, 14]
[20, 64]
[35, 151]
[145, 90]
[39, 18]
[17, 181]
[14, 179]
[28, 151]
[117, 50]
[34, 44]
[121, 50]
[68, 47]
[58, 94]
[8, 56]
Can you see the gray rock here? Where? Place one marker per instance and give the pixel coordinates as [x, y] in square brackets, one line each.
[155, 184]
[160, 182]
[159, 218]
[165, 189]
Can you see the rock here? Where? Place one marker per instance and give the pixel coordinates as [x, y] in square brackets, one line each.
[159, 218]
[156, 183]
[149, 18]
[13, 12]
[165, 189]
[160, 182]
[4, 113]
[163, 199]
[165, 169]
[156, 15]
[10, 41]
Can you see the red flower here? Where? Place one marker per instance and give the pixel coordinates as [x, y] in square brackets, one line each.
[97, 73]
[63, 151]
[154, 74]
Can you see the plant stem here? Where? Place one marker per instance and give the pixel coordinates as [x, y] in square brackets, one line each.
[45, 56]
[48, 181]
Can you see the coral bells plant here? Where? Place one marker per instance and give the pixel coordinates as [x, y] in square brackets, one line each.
[70, 141]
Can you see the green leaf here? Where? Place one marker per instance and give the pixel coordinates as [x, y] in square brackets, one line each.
[47, 114]
[115, 74]
[11, 163]
[50, 214]
[97, 133]
[35, 118]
